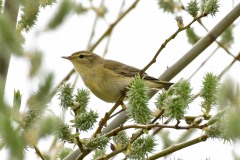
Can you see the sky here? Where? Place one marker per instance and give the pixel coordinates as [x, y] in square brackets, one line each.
[134, 41]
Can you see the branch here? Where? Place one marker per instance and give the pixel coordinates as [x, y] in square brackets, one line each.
[107, 115]
[151, 126]
[237, 58]
[178, 147]
[168, 40]
[38, 152]
[76, 153]
[94, 27]
[105, 34]
[11, 8]
[110, 29]
[198, 48]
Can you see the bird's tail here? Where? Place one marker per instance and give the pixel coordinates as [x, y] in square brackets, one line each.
[157, 84]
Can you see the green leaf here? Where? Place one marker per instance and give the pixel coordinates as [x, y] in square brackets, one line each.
[209, 92]
[82, 98]
[65, 152]
[179, 97]
[65, 95]
[35, 61]
[138, 101]
[167, 6]
[86, 120]
[64, 133]
[227, 37]
[10, 40]
[48, 125]
[193, 8]
[121, 138]
[211, 7]
[141, 147]
[99, 142]
[192, 36]
[59, 17]
[41, 97]
[29, 15]
[17, 98]
[45, 3]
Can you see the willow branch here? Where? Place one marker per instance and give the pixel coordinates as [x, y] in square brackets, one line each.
[38, 152]
[168, 40]
[178, 147]
[107, 115]
[110, 29]
[75, 154]
[203, 63]
[197, 49]
[151, 126]
[237, 58]
[94, 27]
[10, 10]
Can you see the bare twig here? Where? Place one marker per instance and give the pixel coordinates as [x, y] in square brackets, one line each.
[237, 58]
[110, 29]
[93, 28]
[38, 152]
[109, 37]
[203, 63]
[178, 147]
[151, 126]
[107, 115]
[168, 40]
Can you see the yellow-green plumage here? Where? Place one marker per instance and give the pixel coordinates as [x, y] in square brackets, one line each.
[107, 78]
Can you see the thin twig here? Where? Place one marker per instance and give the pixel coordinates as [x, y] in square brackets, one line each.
[107, 115]
[178, 147]
[168, 40]
[151, 126]
[123, 109]
[133, 138]
[38, 152]
[110, 29]
[109, 37]
[79, 144]
[203, 63]
[237, 58]
[220, 44]
[94, 27]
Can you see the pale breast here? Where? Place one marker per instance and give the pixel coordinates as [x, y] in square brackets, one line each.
[105, 84]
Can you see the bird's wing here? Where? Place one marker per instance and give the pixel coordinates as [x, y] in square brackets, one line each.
[125, 70]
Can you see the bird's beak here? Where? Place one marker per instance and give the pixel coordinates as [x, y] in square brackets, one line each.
[67, 57]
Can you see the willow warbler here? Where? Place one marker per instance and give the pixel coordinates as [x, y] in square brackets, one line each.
[107, 79]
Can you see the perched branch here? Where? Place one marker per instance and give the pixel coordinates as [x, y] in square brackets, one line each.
[107, 115]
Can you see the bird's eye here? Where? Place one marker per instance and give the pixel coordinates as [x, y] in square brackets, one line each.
[81, 56]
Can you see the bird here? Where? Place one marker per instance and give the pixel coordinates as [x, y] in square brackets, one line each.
[107, 79]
